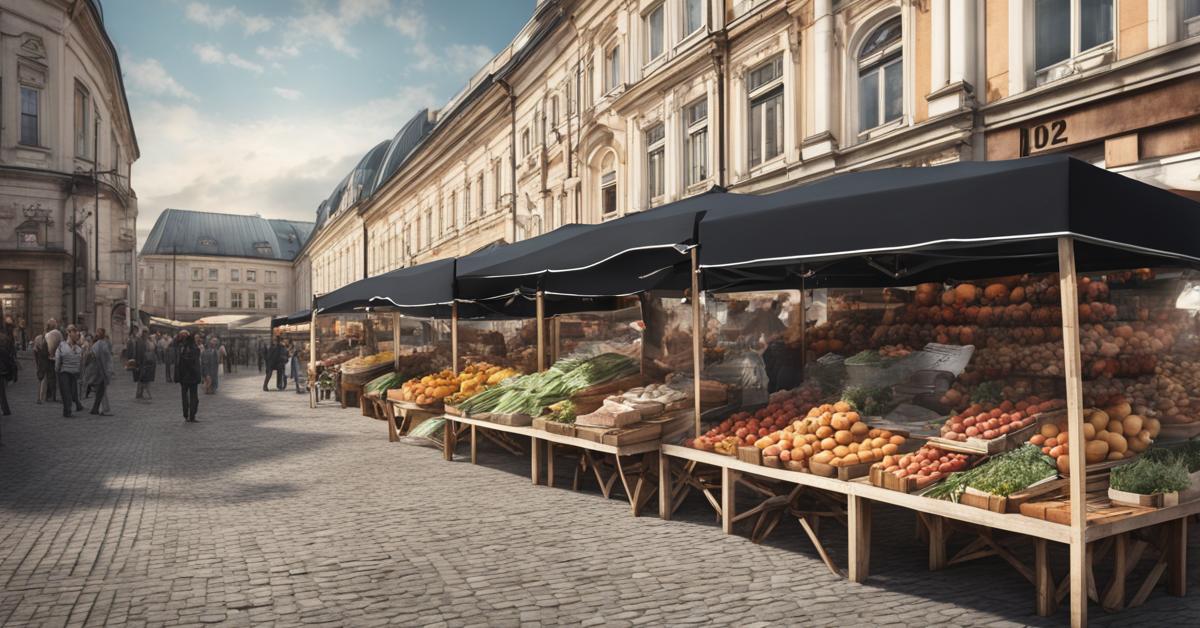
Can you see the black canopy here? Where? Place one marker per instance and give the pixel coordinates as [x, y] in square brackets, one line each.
[295, 318]
[641, 251]
[974, 219]
[425, 290]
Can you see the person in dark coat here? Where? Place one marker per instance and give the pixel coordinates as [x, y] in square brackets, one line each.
[143, 356]
[8, 365]
[276, 362]
[187, 373]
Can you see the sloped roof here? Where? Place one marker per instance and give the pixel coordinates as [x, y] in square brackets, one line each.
[186, 232]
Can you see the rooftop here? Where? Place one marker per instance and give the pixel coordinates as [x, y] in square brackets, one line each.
[186, 232]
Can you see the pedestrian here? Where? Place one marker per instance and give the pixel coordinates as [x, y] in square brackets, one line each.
[223, 357]
[68, 359]
[50, 339]
[274, 363]
[171, 355]
[87, 372]
[261, 352]
[209, 365]
[8, 364]
[102, 371]
[187, 373]
[144, 367]
[294, 362]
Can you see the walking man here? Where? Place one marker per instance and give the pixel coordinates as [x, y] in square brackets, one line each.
[51, 338]
[102, 372]
[171, 355]
[68, 358]
[8, 364]
[187, 373]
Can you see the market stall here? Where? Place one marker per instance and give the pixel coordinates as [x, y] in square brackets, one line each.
[1005, 348]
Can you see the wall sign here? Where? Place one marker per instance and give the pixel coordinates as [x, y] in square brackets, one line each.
[1044, 137]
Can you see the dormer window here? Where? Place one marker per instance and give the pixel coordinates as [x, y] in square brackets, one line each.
[207, 242]
[263, 248]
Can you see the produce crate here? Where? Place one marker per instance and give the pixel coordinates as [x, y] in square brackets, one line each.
[753, 455]
[636, 433]
[842, 473]
[1011, 440]
[1157, 500]
[396, 395]
[910, 484]
[453, 410]
[1011, 503]
[513, 419]
[562, 429]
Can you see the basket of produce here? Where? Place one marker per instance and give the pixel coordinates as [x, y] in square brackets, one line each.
[1003, 482]
[359, 371]
[1151, 482]
[1108, 441]
[435, 390]
[909, 473]
[744, 428]
[532, 394]
[991, 430]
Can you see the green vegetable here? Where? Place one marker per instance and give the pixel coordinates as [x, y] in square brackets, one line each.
[988, 393]
[1003, 475]
[533, 393]
[869, 401]
[1151, 475]
[563, 412]
[865, 358]
[384, 383]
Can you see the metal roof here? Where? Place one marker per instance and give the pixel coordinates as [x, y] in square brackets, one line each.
[186, 232]
[405, 142]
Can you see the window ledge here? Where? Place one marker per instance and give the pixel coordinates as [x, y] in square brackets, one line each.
[881, 130]
[1082, 62]
[39, 148]
[770, 164]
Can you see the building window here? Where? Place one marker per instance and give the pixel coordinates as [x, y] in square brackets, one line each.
[655, 34]
[429, 227]
[451, 215]
[695, 118]
[765, 87]
[693, 16]
[272, 276]
[235, 274]
[525, 142]
[467, 204]
[235, 300]
[608, 185]
[251, 297]
[251, 276]
[1065, 28]
[881, 77]
[214, 275]
[270, 300]
[1190, 14]
[83, 127]
[31, 98]
[197, 274]
[116, 156]
[612, 69]
[212, 298]
[554, 112]
[499, 186]
[195, 298]
[655, 166]
[479, 191]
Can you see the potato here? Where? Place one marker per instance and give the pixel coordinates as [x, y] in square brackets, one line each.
[1064, 464]
[1095, 451]
[1115, 426]
[828, 444]
[843, 437]
[858, 429]
[850, 459]
[1099, 418]
[1119, 411]
[1132, 424]
[1116, 455]
[1049, 430]
[824, 431]
[1153, 426]
[1089, 431]
[1117, 442]
[823, 457]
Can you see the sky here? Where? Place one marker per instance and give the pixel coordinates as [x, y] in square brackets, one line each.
[263, 106]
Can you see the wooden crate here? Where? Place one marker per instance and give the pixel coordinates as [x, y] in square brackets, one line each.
[1011, 503]
[1158, 500]
[883, 479]
[842, 473]
[753, 455]
[1011, 440]
[511, 419]
[636, 433]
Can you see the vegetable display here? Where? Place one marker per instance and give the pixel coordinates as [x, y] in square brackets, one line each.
[1002, 475]
[1106, 437]
[744, 428]
[368, 362]
[1151, 475]
[532, 394]
[383, 383]
[446, 386]
[980, 421]
[928, 464]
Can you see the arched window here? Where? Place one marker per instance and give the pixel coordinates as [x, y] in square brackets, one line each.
[881, 77]
[608, 185]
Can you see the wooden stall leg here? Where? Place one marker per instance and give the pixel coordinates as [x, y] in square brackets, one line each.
[1177, 557]
[549, 464]
[474, 443]
[936, 527]
[535, 462]
[729, 479]
[859, 514]
[665, 490]
[1044, 578]
[448, 440]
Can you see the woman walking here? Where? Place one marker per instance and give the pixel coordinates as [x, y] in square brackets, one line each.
[187, 373]
[68, 359]
[101, 372]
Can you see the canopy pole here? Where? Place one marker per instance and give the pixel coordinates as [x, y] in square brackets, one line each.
[395, 341]
[1073, 370]
[697, 338]
[312, 358]
[803, 330]
[454, 336]
[541, 332]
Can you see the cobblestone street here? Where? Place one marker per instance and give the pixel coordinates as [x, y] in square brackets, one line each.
[267, 511]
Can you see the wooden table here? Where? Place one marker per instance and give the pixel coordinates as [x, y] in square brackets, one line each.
[636, 478]
[1124, 537]
[402, 416]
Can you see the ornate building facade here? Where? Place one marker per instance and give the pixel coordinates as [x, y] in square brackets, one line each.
[67, 208]
[598, 109]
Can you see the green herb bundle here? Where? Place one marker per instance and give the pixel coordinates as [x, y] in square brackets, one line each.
[1003, 475]
[1151, 475]
[533, 393]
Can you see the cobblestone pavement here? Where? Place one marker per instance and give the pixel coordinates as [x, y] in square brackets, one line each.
[267, 511]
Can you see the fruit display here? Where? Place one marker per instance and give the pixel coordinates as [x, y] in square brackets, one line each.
[928, 464]
[744, 428]
[368, 362]
[532, 394]
[1111, 434]
[841, 438]
[1171, 395]
[446, 387]
[993, 421]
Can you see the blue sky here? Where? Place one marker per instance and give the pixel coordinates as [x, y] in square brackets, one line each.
[262, 106]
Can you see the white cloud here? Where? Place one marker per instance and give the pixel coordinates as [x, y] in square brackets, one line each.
[317, 24]
[217, 18]
[457, 58]
[208, 53]
[149, 76]
[410, 22]
[288, 93]
[275, 53]
[280, 166]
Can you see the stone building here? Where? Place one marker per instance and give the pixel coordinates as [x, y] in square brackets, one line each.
[597, 109]
[198, 264]
[67, 208]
